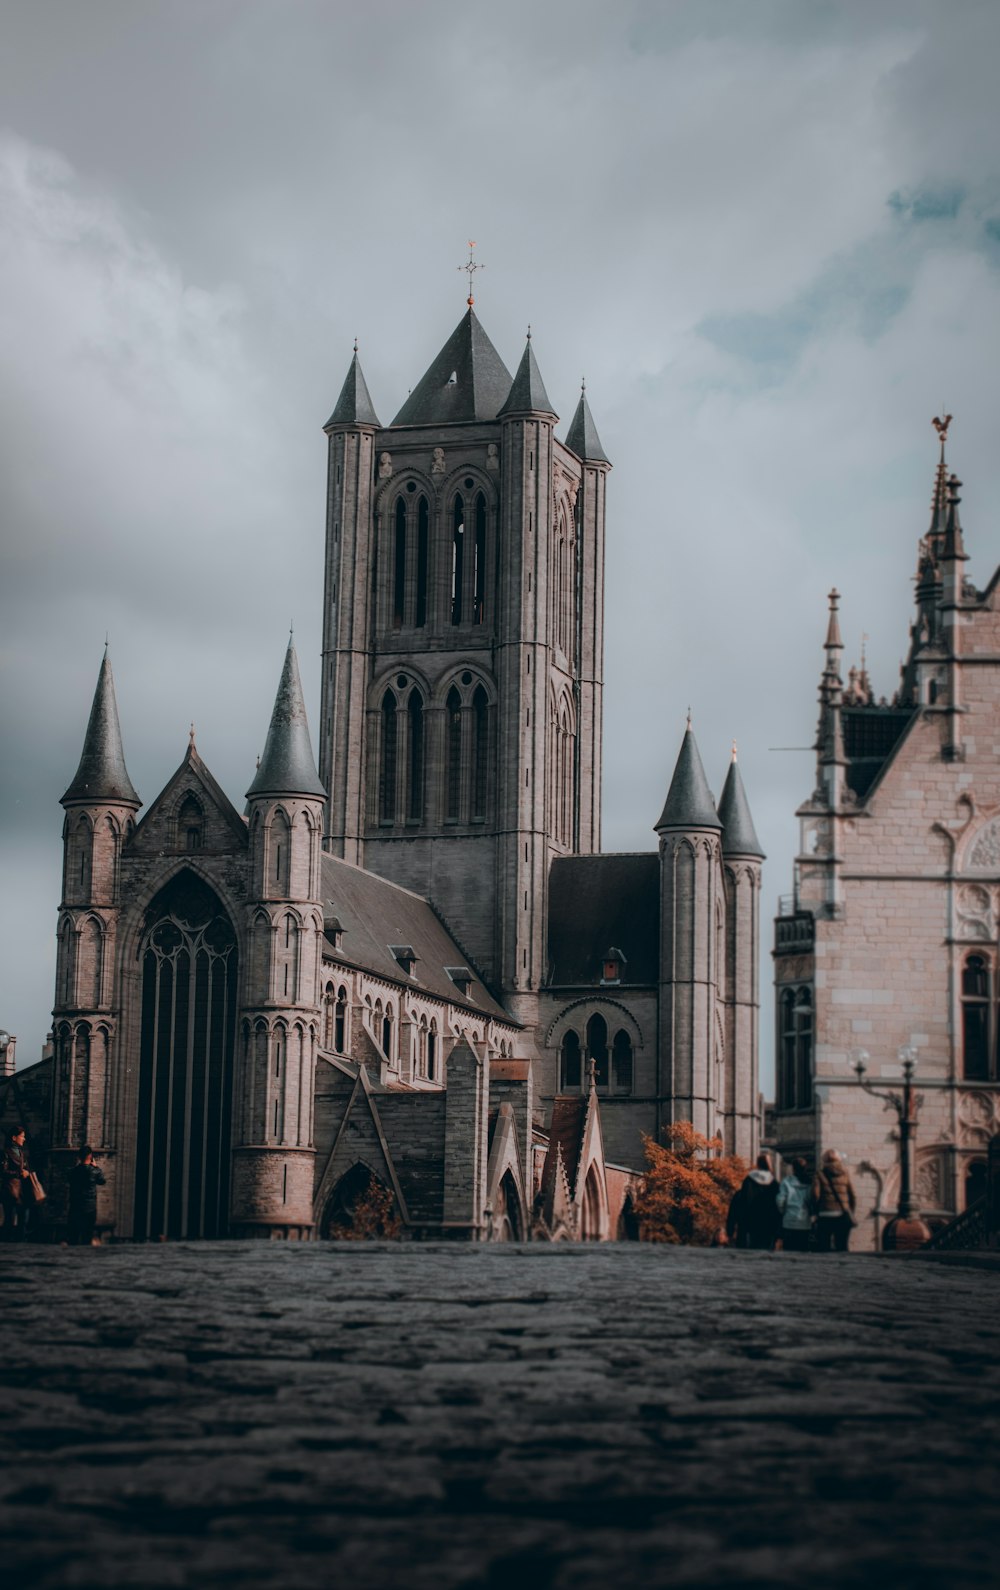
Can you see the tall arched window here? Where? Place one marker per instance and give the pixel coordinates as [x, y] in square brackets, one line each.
[795, 1057]
[91, 964]
[457, 559]
[79, 857]
[976, 1019]
[423, 537]
[190, 824]
[453, 791]
[329, 1005]
[415, 792]
[570, 1063]
[621, 1062]
[597, 1049]
[340, 1023]
[480, 752]
[185, 1065]
[387, 770]
[279, 854]
[479, 572]
[432, 1038]
[399, 564]
[387, 1033]
[287, 949]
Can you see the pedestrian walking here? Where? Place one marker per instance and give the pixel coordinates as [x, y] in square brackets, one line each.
[15, 1187]
[84, 1180]
[833, 1196]
[795, 1208]
[753, 1220]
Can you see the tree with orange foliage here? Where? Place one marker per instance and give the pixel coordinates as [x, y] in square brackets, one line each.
[687, 1188]
[372, 1218]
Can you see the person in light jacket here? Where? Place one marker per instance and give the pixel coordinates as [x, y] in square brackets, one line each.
[795, 1208]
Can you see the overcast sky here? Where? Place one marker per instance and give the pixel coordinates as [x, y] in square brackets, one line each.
[769, 235]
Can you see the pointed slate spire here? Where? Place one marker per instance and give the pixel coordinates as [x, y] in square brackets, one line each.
[354, 405]
[102, 774]
[288, 766]
[527, 394]
[739, 837]
[467, 381]
[954, 547]
[582, 438]
[689, 801]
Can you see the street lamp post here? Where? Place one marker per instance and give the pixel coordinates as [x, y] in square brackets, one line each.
[907, 1229]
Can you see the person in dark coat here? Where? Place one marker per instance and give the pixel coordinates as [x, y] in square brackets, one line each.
[15, 1188]
[753, 1220]
[84, 1180]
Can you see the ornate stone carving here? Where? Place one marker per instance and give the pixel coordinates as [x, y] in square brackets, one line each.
[977, 1119]
[984, 855]
[492, 456]
[930, 1184]
[438, 465]
[976, 912]
[384, 466]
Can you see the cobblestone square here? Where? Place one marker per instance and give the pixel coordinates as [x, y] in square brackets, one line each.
[466, 1418]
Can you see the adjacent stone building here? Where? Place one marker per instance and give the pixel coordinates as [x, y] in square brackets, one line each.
[889, 941]
[411, 965]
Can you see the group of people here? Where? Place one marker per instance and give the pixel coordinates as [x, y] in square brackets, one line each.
[797, 1213]
[22, 1195]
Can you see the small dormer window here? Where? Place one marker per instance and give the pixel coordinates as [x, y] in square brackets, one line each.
[406, 956]
[333, 932]
[612, 966]
[462, 979]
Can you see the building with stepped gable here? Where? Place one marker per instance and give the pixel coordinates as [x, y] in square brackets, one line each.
[412, 964]
[889, 942]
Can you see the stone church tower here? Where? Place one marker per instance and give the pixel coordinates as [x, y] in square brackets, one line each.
[463, 646]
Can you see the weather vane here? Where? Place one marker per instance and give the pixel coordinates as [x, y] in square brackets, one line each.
[470, 267]
[941, 426]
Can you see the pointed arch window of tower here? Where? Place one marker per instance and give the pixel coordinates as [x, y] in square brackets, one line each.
[279, 837]
[457, 559]
[399, 565]
[480, 752]
[479, 579]
[454, 758]
[570, 1063]
[423, 535]
[415, 718]
[597, 1049]
[190, 824]
[387, 770]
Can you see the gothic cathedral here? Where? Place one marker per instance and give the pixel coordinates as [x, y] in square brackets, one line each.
[410, 968]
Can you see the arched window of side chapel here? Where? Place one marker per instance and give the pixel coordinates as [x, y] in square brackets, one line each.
[423, 541]
[399, 563]
[415, 779]
[387, 761]
[453, 757]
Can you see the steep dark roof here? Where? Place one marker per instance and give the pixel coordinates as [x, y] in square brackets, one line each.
[375, 913]
[599, 901]
[288, 766]
[689, 801]
[582, 438]
[569, 1119]
[354, 405]
[739, 837]
[482, 381]
[527, 394]
[871, 734]
[102, 774]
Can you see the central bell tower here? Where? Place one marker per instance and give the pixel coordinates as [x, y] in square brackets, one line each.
[463, 645]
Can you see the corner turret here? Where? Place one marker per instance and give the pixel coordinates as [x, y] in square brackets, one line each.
[274, 1150]
[354, 406]
[527, 393]
[582, 438]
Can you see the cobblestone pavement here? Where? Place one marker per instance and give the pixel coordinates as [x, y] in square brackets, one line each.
[436, 1418]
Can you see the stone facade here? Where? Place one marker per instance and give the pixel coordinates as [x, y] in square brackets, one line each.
[890, 939]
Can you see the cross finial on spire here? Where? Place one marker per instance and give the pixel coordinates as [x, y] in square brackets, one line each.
[734, 750]
[470, 267]
[583, 383]
[191, 744]
[689, 718]
[529, 330]
[355, 344]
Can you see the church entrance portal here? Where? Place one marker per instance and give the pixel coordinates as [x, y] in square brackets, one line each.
[184, 1126]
